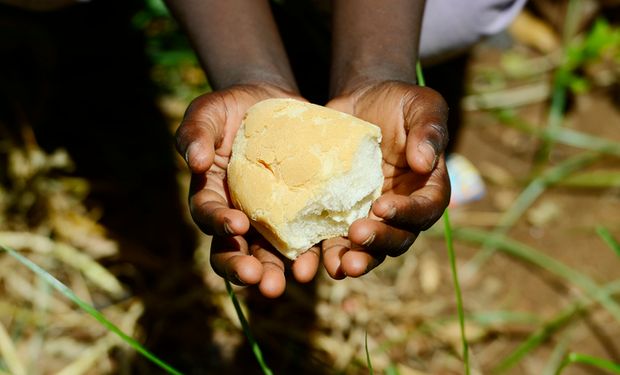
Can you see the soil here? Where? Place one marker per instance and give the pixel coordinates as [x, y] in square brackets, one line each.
[568, 235]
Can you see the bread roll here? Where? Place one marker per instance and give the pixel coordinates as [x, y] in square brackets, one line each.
[303, 173]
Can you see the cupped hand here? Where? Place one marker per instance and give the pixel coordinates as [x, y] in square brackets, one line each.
[205, 139]
[416, 190]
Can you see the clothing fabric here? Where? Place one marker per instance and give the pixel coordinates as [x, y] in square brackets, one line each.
[452, 26]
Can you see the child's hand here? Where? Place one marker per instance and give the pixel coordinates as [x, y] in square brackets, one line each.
[416, 189]
[205, 139]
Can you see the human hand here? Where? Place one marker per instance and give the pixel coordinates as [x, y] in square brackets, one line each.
[416, 189]
[205, 139]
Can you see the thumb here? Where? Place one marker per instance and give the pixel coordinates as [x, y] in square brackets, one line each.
[197, 146]
[426, 116]
[197, 135]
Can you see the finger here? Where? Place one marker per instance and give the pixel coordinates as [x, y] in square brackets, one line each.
[380, 239]
[273, 282]
[333, 250]
[306, 265]
[420, 210]
[231, 260]
[213, 216]
[198, 133]
[358, 262]
[196, 143]
[426, 116]
[341, 258]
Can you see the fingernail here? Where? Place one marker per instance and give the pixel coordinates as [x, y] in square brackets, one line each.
[234, 278]
[227, 228]
[189, 151]
[379, 209]
[390, 213]
[428, 154]
[370, 239]
[372, 265]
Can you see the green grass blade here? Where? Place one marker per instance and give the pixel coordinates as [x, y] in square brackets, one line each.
[543, 333]
[539, 185]
[392, 370]
[556, 115]
[529, 254]
[419, 74]
[589, 360]
[557, 356]
[370, 370]
[64, 290]
[578, 139]
[246, 329]
[450, 246]
[609, 239]
[593, 180]
[568, 137]
[561, 82]
[535, 339]
[457, 288]
[523, 202]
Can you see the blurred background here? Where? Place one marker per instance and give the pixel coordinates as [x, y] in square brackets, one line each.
[92, 190]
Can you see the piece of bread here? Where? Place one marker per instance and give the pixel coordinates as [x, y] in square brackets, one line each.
[303, 173]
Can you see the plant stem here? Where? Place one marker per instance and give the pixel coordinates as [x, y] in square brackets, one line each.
[558, 322]
[527, 197]
[527, 253]
[557, 356]
[589, 360]
[537, 338]
[64, 290]
[556, 117]
[246, 329]
[560, 86]
[450, 246]
[457, 288]
[370, 370]
[419, 74]
[568, 137]
[609, 239]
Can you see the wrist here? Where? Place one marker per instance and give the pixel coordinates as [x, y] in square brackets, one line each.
[362, 76]
[256, 76]
[374, 43]
[237, 41]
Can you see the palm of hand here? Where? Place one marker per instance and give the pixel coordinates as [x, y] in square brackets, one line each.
[209, 127]
[205, 138]
[416, 187]
[413, 127]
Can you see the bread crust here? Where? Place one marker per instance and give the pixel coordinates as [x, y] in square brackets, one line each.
[284, 154]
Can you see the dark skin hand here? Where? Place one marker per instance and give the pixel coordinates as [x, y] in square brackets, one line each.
[415, 181]
[416, 188]
[205, 138]
[238, 44]
[372, 78]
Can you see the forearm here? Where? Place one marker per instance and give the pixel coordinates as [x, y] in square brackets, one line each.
[237, 41]
[374, 41]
